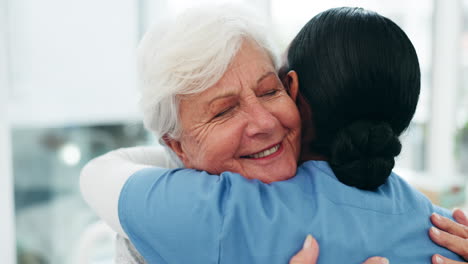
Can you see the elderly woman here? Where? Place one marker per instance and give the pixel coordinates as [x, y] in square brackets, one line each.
[235, 115]
[224, 62]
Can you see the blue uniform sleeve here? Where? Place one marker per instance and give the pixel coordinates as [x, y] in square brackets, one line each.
[174, 216]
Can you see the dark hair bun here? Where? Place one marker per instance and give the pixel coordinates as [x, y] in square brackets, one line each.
[363, 154]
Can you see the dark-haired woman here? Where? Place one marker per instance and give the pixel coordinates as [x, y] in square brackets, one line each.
[360, 74]
[359, 77]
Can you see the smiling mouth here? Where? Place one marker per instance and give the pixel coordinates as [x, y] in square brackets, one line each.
[264, 153]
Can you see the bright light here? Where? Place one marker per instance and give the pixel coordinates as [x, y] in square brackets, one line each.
[70, 154]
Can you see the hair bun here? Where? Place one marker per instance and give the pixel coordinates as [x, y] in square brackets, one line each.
[363, 154]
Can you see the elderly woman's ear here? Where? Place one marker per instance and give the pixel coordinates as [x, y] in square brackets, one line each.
[291, 84]
[176, 146]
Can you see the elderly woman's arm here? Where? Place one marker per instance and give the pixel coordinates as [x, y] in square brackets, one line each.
[164, 211]
[103, 178]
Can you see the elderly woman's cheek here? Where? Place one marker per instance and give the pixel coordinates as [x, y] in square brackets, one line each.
[290, 118]
[285, 110]
[213, 148]
[287, 113]
[193, 143]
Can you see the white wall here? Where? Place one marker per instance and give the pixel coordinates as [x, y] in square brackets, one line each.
[72, 62]
[7, 228]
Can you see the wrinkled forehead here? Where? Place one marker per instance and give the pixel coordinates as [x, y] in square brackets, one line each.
[249, 66]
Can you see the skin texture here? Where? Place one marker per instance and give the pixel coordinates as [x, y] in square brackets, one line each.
[246, 112]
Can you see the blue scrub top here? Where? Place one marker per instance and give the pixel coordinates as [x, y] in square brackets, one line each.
[187, 216]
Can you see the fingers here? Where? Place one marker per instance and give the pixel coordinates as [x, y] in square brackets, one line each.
[308, 254]
[450, 226]
[452, 242]
[438, 259]
[460, 217]
[377, 260]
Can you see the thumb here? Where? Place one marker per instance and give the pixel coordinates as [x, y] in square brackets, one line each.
[376, 260]
[308, 254]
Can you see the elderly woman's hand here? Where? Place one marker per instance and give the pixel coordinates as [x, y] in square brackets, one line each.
[310, 251]
[449, 234]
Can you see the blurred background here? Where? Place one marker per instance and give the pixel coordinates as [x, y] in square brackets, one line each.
[68, 92]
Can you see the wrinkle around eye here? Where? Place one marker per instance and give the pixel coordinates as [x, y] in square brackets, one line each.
[201, 131]
[223, 114]
[270, 93]
[278, 94]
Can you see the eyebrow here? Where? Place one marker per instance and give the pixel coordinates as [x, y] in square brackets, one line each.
[221, 96]
[264, 76]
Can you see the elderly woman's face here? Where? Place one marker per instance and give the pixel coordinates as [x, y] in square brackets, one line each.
[246, 123]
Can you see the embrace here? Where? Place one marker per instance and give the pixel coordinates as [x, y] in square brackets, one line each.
[258, 153]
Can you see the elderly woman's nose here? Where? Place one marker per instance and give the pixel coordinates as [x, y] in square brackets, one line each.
[261, 120]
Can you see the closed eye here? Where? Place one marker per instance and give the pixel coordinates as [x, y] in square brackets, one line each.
[223, 112]
[270, 93]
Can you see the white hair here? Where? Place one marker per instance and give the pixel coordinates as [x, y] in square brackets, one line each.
[188, 55]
